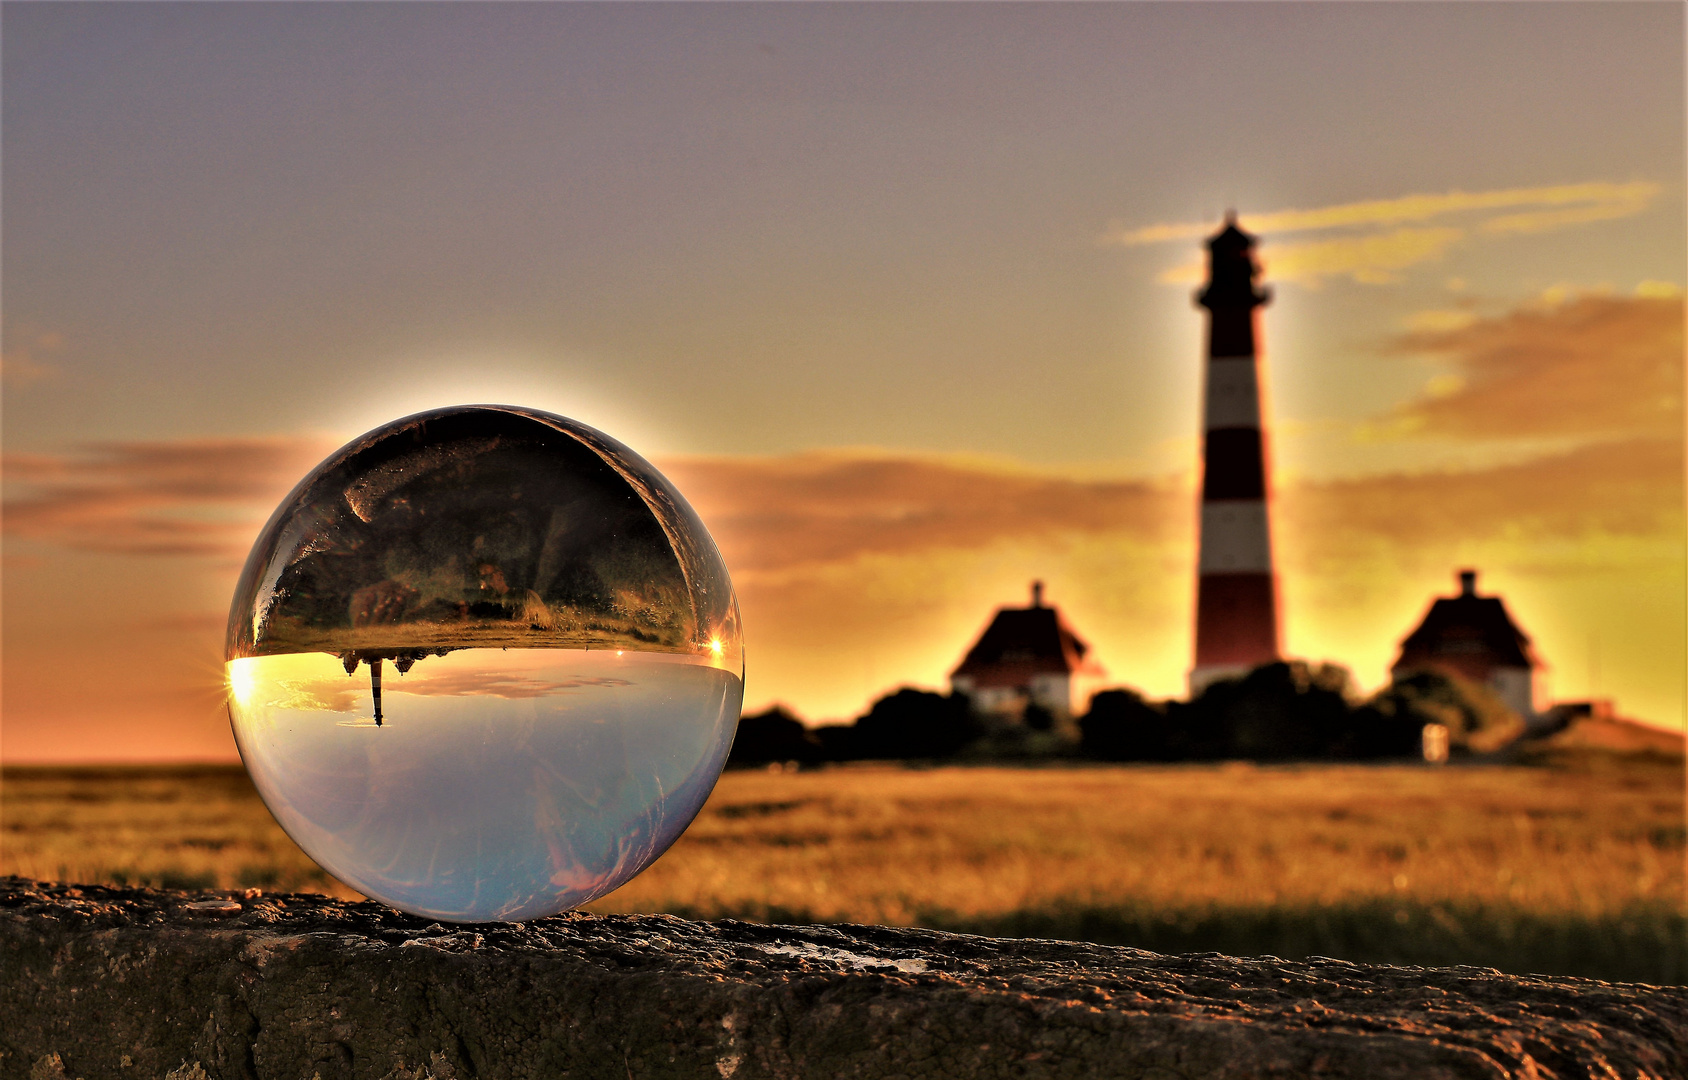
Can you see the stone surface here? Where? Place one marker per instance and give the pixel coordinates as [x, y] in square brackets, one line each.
[139, 983]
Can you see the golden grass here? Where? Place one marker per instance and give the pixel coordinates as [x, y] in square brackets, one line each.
[883, 845]
[175, 827]
[1576, 870]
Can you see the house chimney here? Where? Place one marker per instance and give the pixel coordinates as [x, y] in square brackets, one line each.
[1468, 583]
[1037, 594]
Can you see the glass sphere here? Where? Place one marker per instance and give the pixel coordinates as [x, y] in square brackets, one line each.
[484, 663]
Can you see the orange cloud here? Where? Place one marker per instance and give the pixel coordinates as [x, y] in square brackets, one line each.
[1589, 366]
[1620, 487]
[1539, 221]
[204, 497]
[184, 497]
[466, 683]
[21, 364]
[1371, 259]
[1606, 200]
[1393, 235]
[819, 512]
[828, 507]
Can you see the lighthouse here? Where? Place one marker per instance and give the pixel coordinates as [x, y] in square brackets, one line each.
[1236, 589]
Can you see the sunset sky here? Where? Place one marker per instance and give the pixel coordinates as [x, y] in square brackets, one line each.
[898, 294]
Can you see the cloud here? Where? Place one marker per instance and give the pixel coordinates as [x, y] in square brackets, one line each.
[1629, 487]
[1606, 199]
[22, 364]
[201, 497]
[198, 623]
[1370, 260]
[786, 518]
[1586, 366]
[334, 695]
[815, 514]
[1394, 234]
[315, 696]
[480, 684]
[1539, 221]
[1440, 319]
[207, 496]
[770, 514]
[1373, 259]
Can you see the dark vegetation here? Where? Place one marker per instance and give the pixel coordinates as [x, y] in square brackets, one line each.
[1288, 711]
[913, 724]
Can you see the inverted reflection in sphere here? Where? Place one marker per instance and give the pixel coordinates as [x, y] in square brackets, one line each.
[484, 663]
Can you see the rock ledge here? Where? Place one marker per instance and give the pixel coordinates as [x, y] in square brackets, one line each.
[141, 983]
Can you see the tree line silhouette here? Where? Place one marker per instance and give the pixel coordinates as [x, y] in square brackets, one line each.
[1283, 711]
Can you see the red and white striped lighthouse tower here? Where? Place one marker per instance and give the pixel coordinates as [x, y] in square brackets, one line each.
[1236, 591]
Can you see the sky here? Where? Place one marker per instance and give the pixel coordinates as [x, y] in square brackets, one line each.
[898, 295]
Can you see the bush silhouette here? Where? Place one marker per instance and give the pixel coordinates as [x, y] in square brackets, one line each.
[915, 724]
[1121, 726]
[775, 735]
[1288, 709]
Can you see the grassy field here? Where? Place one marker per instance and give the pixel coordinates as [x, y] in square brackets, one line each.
[1574, 870]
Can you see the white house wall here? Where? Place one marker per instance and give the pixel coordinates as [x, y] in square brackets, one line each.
[1516, 687]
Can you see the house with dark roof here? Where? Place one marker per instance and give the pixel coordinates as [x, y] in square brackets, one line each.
[1027, 656]
[1474, 637]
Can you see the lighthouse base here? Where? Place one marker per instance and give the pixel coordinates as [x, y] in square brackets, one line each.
[1236, 625]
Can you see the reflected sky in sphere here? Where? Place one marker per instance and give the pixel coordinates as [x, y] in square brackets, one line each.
[484, 663]
[502, 784]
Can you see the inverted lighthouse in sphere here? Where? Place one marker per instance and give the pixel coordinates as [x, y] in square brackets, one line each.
[1236, 590]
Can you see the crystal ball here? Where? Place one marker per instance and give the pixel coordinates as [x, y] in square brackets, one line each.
[484, 663]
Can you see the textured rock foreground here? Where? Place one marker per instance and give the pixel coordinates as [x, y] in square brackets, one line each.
[139, 983]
